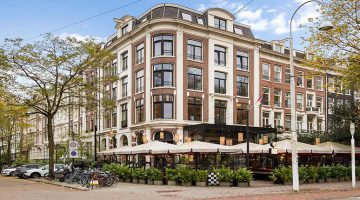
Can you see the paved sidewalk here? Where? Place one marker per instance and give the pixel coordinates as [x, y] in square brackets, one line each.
[16, 189]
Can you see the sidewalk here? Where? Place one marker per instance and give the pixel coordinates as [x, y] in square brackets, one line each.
[58, 183]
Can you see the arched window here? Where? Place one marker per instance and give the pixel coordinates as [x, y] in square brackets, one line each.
[164, 136]
[114, 142]
[124, 140]
[103, 144]
[139, 138]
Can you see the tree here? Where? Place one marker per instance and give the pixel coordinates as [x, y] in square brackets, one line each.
[340, 46]
[49, 72]
[339, 123]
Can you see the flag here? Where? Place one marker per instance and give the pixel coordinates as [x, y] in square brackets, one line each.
[259, 101]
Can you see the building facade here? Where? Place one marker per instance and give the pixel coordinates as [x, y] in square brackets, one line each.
[178, 68]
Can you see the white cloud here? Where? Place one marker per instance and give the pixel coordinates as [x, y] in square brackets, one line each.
[271, 10]
[280, 24]
[81, 37]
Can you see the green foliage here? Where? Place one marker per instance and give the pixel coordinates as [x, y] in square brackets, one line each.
[20, 160]
[324, 172]
[186, 175]
[357, 171]
[243, 175]
[154, 174]
[281, 175]
[313, 173]
[224, 174]
[122, 171]
[172, 174]
[201, 175]
[303, 173]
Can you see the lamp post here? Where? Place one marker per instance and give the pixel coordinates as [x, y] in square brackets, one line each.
[325, 25]
[353, 176]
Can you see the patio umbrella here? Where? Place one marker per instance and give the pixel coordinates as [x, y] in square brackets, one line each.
[284, 146]
[253, 147]
[337, 147]
[124, 150]
[152, 147]
[202, 147]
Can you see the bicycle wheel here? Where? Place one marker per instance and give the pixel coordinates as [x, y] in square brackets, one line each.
[68, 178]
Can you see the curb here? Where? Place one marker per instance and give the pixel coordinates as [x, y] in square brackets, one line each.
[58, 184]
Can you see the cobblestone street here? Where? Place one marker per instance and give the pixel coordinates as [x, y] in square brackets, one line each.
[15, 189]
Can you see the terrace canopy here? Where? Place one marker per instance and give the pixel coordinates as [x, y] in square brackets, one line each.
[337, 148]
[202, 147]
[284, 146]
[152, 147]
[253, 148]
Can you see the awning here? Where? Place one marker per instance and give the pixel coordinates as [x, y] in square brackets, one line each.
[284, 146]
[152, 147]
[253, 148]
[337, 147]
[202, 147]
[121, 150]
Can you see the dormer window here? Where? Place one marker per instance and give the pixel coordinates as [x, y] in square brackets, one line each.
[278, 48]
[124, 30]
[238, 31]
[186, 16]
[219, 23]
[200, 20]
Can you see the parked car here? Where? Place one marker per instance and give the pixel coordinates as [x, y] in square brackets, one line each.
[41, 171]
[8, 171]
[19, 172]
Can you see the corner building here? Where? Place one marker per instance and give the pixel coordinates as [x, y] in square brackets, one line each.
[190, 74]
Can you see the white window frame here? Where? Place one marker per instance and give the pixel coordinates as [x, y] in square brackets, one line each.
[269, 75]
[280, 99]
[186, 17]
[276, 68]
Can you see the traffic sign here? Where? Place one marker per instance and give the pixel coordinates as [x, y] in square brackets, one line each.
[73, 149]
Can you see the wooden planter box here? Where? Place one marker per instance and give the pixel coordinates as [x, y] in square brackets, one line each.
[142, 181]
[128, 180]
[311, 181]
[329, 180]
[335, 180]
[135, 180]
[201, 184]
[172, 183]
[320, 180]
[186, 184]
[225, 184]
[243, 184]
[347, 178]
[342, 179]
[150, 182]
[288, 183]
[158, 182]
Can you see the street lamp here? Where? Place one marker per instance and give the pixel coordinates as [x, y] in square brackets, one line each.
[324, 26]
[353, 177]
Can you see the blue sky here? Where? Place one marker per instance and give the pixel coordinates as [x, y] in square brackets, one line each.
[18, 18]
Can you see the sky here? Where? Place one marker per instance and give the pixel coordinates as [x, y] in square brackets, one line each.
[28, 19]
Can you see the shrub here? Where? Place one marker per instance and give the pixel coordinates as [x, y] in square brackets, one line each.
[313, 173]
[281, 175]
[121, 171]
[186, 175]
[201, 175]
[303, 173]
[324, 172]
[154, 174]
[224, 174]
[243, 175]
[138, 173]
[357, 171]
[172, 174]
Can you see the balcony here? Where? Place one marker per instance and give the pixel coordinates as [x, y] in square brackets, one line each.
[313, 109]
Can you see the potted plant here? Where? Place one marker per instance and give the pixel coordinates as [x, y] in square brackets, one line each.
[303, 174]
[172, 176]
[157, 176]
[135, 175]
[281, 175]
[243, 177]
[201, 178]
[334, 173]
[225, 176]
[348, 173]
[312, 174]
[186, 176]
[357, 172]
[142, 175]
[323, 172]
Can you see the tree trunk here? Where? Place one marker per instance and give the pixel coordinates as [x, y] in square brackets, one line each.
[8, 151]
[51, 145]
